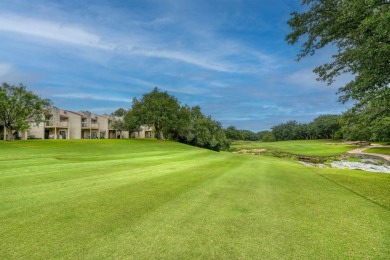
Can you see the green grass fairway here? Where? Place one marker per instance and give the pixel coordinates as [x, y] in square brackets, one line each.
[299, 147]
[380, 150]
[147, 199]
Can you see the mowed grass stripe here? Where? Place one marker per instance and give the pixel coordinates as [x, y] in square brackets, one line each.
[75, 180]
[54, 166]
[197, 204]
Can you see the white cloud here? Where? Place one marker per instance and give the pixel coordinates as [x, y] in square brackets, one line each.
[304, 78]
[92, 97]
[307, 79]
[198, 60]
[5, 69]
[103, 109]
[142, 43]
[12, 76]
[50, 30]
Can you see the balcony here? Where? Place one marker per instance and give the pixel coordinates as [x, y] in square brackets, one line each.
[89, 125]
[52, 123]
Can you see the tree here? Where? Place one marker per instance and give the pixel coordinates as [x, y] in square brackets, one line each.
[326, 126]
[118, 123]
[268, 137]
[117, 119]
[369, 123]
[301, 131]
[198, 130]
[156, 109]
[360, 31]
[20, 107]
[285, 131]
[120, 112]
[248, 135]
[207, 132]
[233, 134]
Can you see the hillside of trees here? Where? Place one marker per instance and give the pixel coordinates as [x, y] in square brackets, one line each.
[322, 127]
[354, 125]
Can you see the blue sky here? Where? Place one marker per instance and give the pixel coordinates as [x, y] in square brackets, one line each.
[227, 56]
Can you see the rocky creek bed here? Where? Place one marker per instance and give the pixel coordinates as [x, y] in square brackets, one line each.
[371, 165]
[365, 162]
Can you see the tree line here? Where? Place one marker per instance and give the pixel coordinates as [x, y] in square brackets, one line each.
[370, 124]
[322, 127]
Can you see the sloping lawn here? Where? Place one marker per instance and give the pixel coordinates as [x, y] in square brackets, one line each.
[299, 147]
[145, 199]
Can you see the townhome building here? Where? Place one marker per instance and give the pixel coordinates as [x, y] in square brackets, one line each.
[65, 124]
[58, 124]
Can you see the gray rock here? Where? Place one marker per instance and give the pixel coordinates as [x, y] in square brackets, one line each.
[361, 166]
[364, 166]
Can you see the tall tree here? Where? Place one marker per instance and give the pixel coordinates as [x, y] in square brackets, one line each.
[201, 131]
[157, 109]
[120, 112]
[285, 131]
[233, 133]
[360, 31]
[369, 123]
[20, 107]
[326, 126]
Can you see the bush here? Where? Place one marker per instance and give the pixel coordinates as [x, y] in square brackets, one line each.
[269, 138]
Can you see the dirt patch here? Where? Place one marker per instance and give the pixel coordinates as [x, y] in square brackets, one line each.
[360, 143]
[251, 151]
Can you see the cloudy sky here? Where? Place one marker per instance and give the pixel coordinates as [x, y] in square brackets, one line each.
[227, 56]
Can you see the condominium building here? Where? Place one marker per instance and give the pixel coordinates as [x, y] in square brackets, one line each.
[57, 124]
[65, 124]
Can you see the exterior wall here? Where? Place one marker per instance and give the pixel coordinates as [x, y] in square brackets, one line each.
[56, 133]
[145, 132]
[118, 134]
[38, 131]
[74, 125]
[111, 134]
[125, 134]
[149, 134]
[90, 125]
[141, 134]
[89, 133]
[134, 135]
[103, 126]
